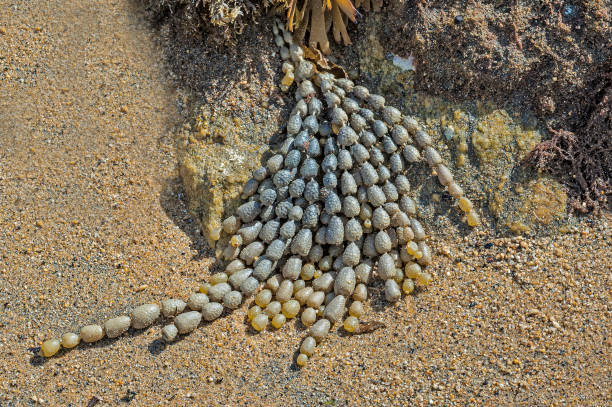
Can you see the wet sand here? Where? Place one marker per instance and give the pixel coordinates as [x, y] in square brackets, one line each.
[93, 221]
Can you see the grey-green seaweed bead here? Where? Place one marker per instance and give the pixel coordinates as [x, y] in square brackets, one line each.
[432, 156]
[217, 291]
[345, 282]
[382, 242]
[392, 290]
[187, 321]
[335, 310]
[285, 291]
[320, 329]
[315, 299]
[249, 286]
[212, 311]
[114, 327]
[411, 154]
[308, 346]
[232, 300]
[386, 266]
[309, 316]
[169, 333]
[196, 301]
[144, 315]
[363, 272]
[351, 255]
[323, 283]
[172, 307]
[236, 279]
[444, 175]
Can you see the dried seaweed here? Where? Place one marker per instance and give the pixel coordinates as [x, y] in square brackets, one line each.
[339, 25]
[318, 16]
[220, 20]
[366, 327]
[585, 155]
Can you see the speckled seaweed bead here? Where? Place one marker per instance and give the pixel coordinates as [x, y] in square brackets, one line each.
[232, 300]
[91, 333]
[320, 329]
[335, 310]
[169, 333]
[143, 316]
[114, 327]
[212, 311]
[196, 301]
[335, 231]
[345, 282]
[187, 322]
[172, 307]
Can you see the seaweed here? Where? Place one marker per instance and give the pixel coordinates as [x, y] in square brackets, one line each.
[319, 16]
[582, 160]
[220, 20]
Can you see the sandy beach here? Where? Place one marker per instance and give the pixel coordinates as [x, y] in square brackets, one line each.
[93, 220]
